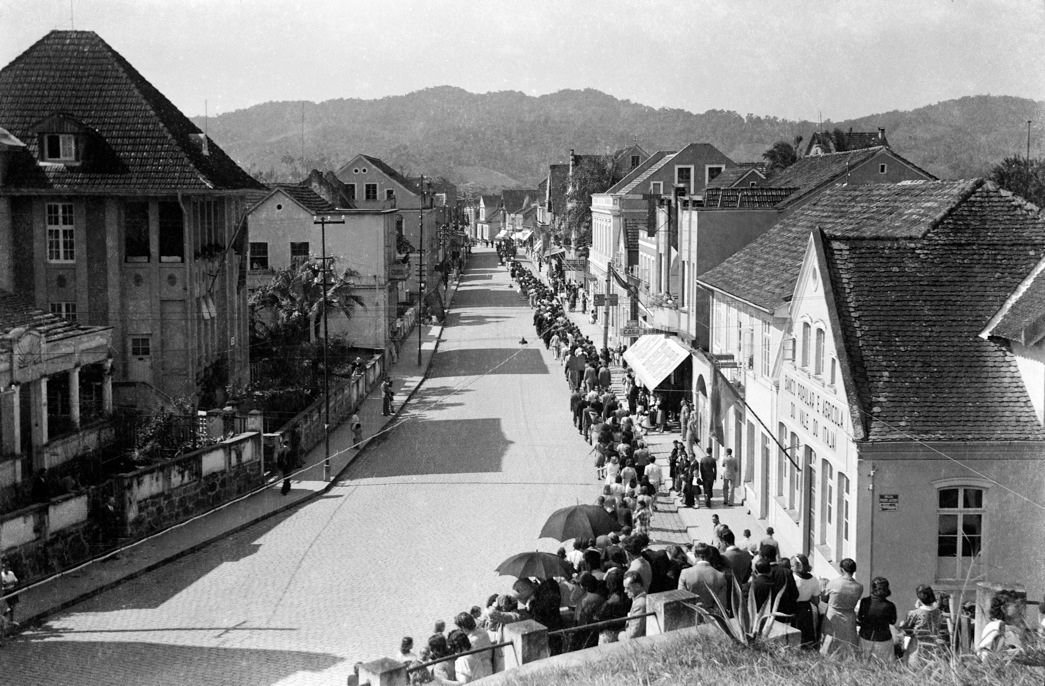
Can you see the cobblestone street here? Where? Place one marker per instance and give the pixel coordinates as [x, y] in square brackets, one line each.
[482, 454]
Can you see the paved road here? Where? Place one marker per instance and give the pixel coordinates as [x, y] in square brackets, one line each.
[483, 454]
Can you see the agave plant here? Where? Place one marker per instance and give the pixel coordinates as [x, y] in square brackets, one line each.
[748, 622]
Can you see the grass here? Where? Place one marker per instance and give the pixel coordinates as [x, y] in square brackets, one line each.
[721, 664]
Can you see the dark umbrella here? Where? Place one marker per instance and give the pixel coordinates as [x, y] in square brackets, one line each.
[579, 521]
[540, 565]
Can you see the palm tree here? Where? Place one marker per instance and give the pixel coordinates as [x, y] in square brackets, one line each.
[294, 300]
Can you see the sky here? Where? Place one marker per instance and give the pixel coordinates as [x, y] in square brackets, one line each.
[796, 59]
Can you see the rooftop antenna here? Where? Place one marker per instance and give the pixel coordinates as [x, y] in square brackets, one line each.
[72, 22]
[1028, 138]
[302, 133]
[205, 117]
[820, 119]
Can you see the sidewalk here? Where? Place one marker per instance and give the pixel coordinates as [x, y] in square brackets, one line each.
[672, 523]
[53, 596]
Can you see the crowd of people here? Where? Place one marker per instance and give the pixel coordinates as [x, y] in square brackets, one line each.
[601, 595]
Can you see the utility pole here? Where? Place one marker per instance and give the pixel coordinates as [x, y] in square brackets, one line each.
[420, 267]
[606, 309]
[1028, 139]
[323, 221]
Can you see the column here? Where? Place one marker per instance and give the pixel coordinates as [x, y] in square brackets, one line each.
[11, 421]
[674, 611]
[383, 672]
[107, 389]
[74, 396]
[38, 408]
[529, 640]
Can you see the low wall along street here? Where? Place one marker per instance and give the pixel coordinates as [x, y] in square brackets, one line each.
[44, 538]
[155, 497]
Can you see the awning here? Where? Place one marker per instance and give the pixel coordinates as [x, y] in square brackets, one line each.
[557, 250]
[503, 234]
[654, 357]
[523, 236]
[538, 246]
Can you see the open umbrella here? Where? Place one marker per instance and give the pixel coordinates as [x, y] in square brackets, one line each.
[540, 565]
[579, 521]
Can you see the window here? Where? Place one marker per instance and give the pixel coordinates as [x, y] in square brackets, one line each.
[960, 531]
[61, 246]
[635, 161]
[298, 254]
[390, 194]
[656, 187]
[781, 467]
[827, 509]
[814, 530]
[834, 370]
[882, 168]
[711, 171]
[842, 536]
[350, 190]
[172, 232]
[259, 256]
[766, 345]
[136, 232]
[684, 177]
[370, 191]
[818, 358]
[794, 497]
[141, 346]
[60, 147]
[65, 310]
[806, 334]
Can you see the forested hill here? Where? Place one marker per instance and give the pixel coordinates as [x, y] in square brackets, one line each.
[508, 138]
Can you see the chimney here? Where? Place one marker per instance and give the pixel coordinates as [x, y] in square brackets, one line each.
[881, 135]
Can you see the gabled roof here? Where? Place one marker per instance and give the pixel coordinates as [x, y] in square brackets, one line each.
[306, 197]
[733, 176]
[811, 173]
[17, 311]
[763, 273]
[1021, 319]
[138, 140]
[852, 140]
[910, 305]
[391, 173]
[621, 152]
[642, 172]
[516, 199]
[741, 197]
[490, 200]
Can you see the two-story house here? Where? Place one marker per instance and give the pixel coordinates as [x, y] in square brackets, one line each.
[879, 425]
[490, 218]
[122, 212]
[284, 233]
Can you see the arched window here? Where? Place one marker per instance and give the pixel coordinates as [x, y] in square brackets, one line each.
[806, 335]
[818, 354]
[959, 538]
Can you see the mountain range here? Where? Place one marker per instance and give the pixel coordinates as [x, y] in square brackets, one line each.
[507, 138]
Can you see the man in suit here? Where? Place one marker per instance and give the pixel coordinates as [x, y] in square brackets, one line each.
[704, 581]
[738, 560]
[708, 474]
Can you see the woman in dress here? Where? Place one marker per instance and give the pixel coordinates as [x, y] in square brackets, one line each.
[807, 602]
[442, 672]
[839, 627]
[876, 615]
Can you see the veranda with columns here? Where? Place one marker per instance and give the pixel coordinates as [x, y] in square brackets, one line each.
[55, 378]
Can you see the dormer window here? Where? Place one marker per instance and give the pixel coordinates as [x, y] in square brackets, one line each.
[60, 147]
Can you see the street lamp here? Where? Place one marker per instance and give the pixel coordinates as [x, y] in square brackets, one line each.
[420, 266]
[323, 220]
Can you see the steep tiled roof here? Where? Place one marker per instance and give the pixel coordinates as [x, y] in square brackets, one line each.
[911, 305]
[516, 198]
[17, 311]
[491, 201]
[1022, 317]
[729, 176]
[745, 197]
[642, 172]
[391, 173]
[138, 139]
[306, 197]
[812, 172]
[763, 273]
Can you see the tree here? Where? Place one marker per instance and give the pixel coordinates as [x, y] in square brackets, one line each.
[1021, 175]
[781, 156]
[591, 174]
[294, 300]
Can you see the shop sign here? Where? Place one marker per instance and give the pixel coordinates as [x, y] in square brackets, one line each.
[888, 502]
[398, 272]
[576, 265]
[632, 330]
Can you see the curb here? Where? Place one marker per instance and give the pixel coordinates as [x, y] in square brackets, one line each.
[41, 616]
